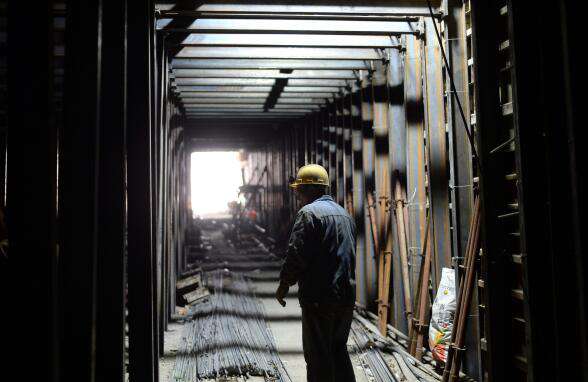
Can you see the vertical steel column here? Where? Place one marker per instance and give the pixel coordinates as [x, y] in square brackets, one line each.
[3, 146]
[339, 151]
[368, 149]
[168, 202]
[383, 187]
[143, 363]
[331, 118]
[308, 139]
[348, 160]
[318, 127]
[359, 212]
[494, 262]
[155, 51]
[111, 262]
[31, 196]
[549, 72]
[79, 180]
[159, 86]
[460, 160]
[436, 138]
[397, 147]
[312, 139]
[168, 265]
[415, 150]
[301, 145]
[325, 139]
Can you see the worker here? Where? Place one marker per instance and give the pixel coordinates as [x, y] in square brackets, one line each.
[321, 258]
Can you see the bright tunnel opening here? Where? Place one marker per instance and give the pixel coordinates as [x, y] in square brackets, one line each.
[215, 180]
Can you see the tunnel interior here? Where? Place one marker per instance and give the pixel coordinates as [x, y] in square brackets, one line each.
[447, 128]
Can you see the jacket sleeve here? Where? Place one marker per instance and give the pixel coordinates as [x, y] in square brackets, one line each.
[297, 254]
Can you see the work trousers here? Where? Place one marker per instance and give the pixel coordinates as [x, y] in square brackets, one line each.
[325, 328]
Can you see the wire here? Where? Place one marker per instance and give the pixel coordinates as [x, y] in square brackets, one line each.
[453, 89]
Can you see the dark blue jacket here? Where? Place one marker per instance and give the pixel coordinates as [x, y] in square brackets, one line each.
[321, 254]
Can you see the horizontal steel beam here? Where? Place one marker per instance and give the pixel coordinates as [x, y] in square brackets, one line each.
[269, 25]
[292, 40]
[236, 116]
[252, 95]
[263, 73]
[226, 81]
[258, 106]
[244, 100]
[260, 82]
[306, 95]
[316, 101]
[381, 8]
[257, 89]
[234, 109]
[311, 89]
[224, 95]
[250, 100]
[224, 88]
[289, 53]
[316, 82]
[240, 63]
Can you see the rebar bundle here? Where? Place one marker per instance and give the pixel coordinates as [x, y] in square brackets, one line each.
[370, 356]
[228, 336]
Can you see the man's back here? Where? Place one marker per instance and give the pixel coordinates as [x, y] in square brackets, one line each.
[321, 253]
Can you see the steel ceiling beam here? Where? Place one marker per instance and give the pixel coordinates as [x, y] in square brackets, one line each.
[306, 95]
[268, 25]
[261, 82]
[236, 111]
[263, 73]
[311, 89]
[252, 95]
[316, 101]
[236, 88]
[290, 40]
[316, 82]
[237, 117]
[381, 8]
[224, 95]
[259, 106]
[225, 81]
[224, 88]
[196, 101]
[240, 63]
[287, 53]
[251, 100]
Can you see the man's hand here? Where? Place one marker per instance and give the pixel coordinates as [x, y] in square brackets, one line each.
[281, 292]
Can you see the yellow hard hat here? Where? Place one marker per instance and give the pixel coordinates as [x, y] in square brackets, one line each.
[311, 174]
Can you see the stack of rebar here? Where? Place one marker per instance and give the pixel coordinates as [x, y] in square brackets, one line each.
[384, 359]
[228, 336]
[370, 356]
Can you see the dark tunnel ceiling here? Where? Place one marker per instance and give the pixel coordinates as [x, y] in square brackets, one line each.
[275, 62]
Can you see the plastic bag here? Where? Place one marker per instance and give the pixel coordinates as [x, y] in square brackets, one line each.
[442, 316]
